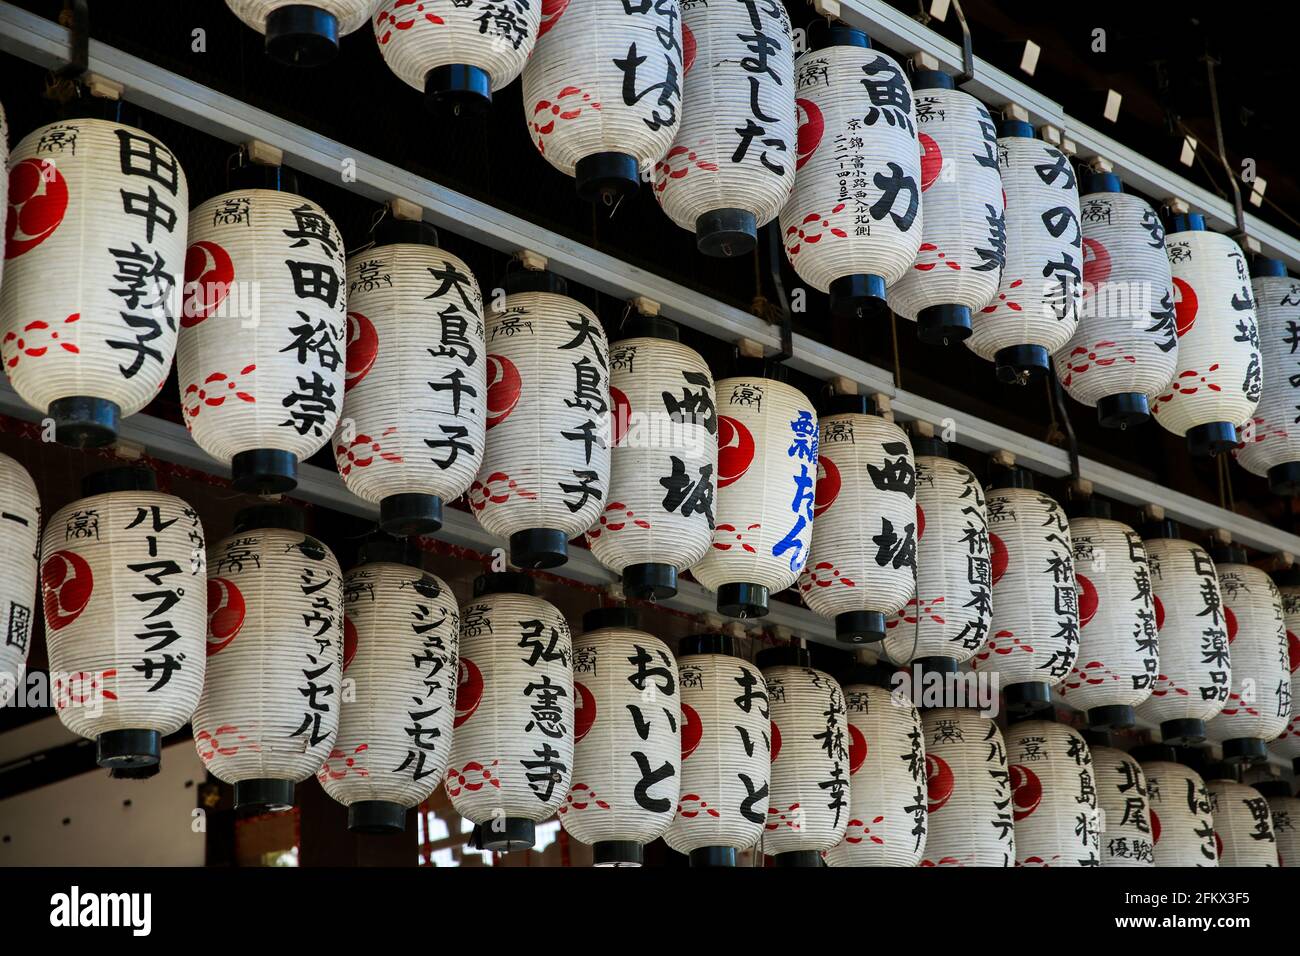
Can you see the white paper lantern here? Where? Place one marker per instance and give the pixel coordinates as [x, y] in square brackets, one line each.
[411, 434]
[627, 749]
[726, 753]
[852, 225]
[545, 472]
[968, 791]
[269, 713]
[1243, 821]
[659, 517]
[260, 363]
[400, 633]
[602, 92]
[1284, 808]
[4, 179]
[964, 238]
[1126, 347]
[95, 243]
[1182, 824]
[862, 565]
[20, 517]
[457, 54]
[1126, 835]
[1287, 744]
[303, 34]
[512, 749]
[887, 815]
[1054, 795]
[732, 165]
[1270, 439]
[1218, 381]
[121, 580]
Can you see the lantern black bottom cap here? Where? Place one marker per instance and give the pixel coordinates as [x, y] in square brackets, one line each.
[607, 177]
[459, 89]
[1284, 479]
[859, 296]
[650, 581]
[1021, 363]
[1212, 438]
[1124, 410]
[798, 858]
[82, 421]
[726, 233]
[264, 793]
[265, 471]
[743, 600]
[860, 627]
[1183, 732]
[505, 834]
[128, 748]
[943, 324]
[408, 514]
[1295, 766]
[713, 856]
[376, 816]
[302, 35]
[1112, 717]
[937, 665]
[617, 853]
[1027, 700]
[1247, 750]
[539, 548]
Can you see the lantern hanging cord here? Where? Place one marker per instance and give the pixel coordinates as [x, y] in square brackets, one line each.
[967, 49]
[774, 254]
[1237, 207]
[1071, 441]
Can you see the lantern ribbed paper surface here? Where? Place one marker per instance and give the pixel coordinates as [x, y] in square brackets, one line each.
[852, 225]
[121, 580]
[261, 357]
[19, 544]
[1181, 818]
[603, 94]
[866, 496]
[1287, 744]
[1054, 795]
[732, 165]
[1271, 438]
[270, 708]
[303, 34]
[1218, 382]
[415, 398]
[1243, 824]
[968, 789]
[545, 472]
[1285, 812]
[95, 250]
[512, 749]
[726, 753]
[399, 670]
[767, 470]
[4, 180]
[627, 750]
[1126, 835]
[1125, 348]
[663, 465]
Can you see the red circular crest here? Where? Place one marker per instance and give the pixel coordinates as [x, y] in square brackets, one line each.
[622, 413]
[920, 522]
[776, 741]
[931, 161]
[38, 200]
[1088, 599]
[1218, 846]
[209, 271]
[584, 710]
[1096, 263]
[66, 585]
[828, 484]
[812, 125]
[857, 749]
[689, 48]
[551, 11]
[1000, 557]
[1155, 828]
[692, 730]
[939, 781]
[469, 690]
[504, 386]
[1184, 306]
[735, 450]
[1293, 647]
[226, 610]
[1160, 612]
[1231, 620]
[350, 640]
[362, 349]
[1027, 791]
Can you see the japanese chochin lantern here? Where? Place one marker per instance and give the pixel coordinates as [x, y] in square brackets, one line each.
[627, 750]
[400, 631]
[862, 564]
[1284, 808]
[415, 395]
[20, 517]
[767, 469]
[855, 113]
[887, 810]
[1119, 654]
[727, 750]
[732, 165]
[1258, 707]
[1182, 825]
[1036, 308]
[964, 236]
[1287, 744]
[1125, 348]
[459, 56]
[269, 714]
[1053, 795]
[512, 747]
[121, 580]
[303, 34]
[602, 92]
[1270, 439]
[1218, 382]
[659, 516]
[95, 248]
[968, 791]
[1243, 820]
[1127, 836]
[261, 364]
[545, 472]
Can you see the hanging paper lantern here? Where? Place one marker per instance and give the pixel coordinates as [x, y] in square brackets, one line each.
[1053, 795]
[261, 358]
[20, 517]
[1119, 651]
[658, 519]
[1284, 809]
[887, 813]
[862, 565]
[727, 750]
[964, 237]
[1128, 838]
[602, 92]
[269, 713]
[852, 225]
[400, 631]
[4, 185]
[1243, 820]
[968, 791]
[1287, 744]
[457, 54]
[512, 749]
[767, 469]
[121, 575]
[1182, 825]
[1218, 382]
[303, 34]
[1270, 439]
[95, 243]
[627, 748]
[1036, 308]
[415, 394]
[732, 165]
[545, 472]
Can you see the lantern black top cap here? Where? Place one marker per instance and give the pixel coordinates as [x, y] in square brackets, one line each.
[1229, 554]
[828, 33]
[650, 327]
[392, 230]
[623, 617]
[875, 675]
[783, 657]
[711, 643]
[933, 80]
[504, 582]
[256, 517]
[1145, 753]
[389, 550]
[846, 405]
[1287, 577]
[1187, 222]
[122, 478]
[1012, 477]
[1264, 267]
[1091, 181]
[534, 280]
[1016, 128]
